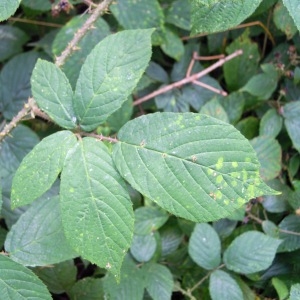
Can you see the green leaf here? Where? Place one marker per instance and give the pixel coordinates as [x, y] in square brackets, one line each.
[214, 109]
[172, 45]
[96, 209]
[223, 286]
[291, 242]
[59, 278]
[268, 152]
[91, 38]
[212, 15]
[88, 289]
[262, 85]
[251, 252]
[205, 247]
[233, 105]
[38, 4]
[224, 227]
[119, 60]
[18, 282]
[191, 165]
[14, 147]
[53, 93]
[37, 239]
[132, 283]
[280, 288]
[143, 247]
[239, 70]
[179, 13]
[270, 229]
[8, 8]
[148, 219]
[171, 237]
[12, 40]
[292, 122]
[15, 83]
[248, 127]
[277, 203]
[295, 292]
[40, 168]
[271, 123]
[159, 281]
[286, 17]
[140, 14]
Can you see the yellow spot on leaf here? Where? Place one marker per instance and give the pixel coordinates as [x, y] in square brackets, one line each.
[233, 183]
[219, 179]
[219, 163]
[234, 164]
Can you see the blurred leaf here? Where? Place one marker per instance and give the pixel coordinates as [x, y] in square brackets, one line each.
[270, 229]
[251, 252]
[140, 14]
[77, 58]
[172, 44]
[143, 247]
[178, 14]
[41, 5]
[248, 127]
[214, 109]
[264, 84]
[238, 71]
[171, 238]
[223, 286]
[282, 17]
[224, 227]
[268, 152]
[8, 8]
[15, 83]
[148, 219]
[295, 292]
[291, 242]
[158, 281]
[211, 16]
[88, 289]
[291, 113]
[271, 123]
[18, 282]
[12, 40]
[157, 72]
[233, 105]
[59, 278]
[280, 288]
[205, 247]
[37, 239]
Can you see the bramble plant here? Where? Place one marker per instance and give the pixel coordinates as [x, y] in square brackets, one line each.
[134, 171]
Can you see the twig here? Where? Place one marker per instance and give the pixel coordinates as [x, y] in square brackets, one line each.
[100, 137]
[90, 3]
[188, 79]
[209, 87]
[99, 10]
[30, 106]
[41, 23]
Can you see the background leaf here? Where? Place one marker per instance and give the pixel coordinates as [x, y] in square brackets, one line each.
[201, 176]
[96, 209]
[271, 123]
[8, 8]
[212, 16]
[88, 289]
[18, 282]
[53, 93]
[143, 247]
[37, 239]
[251, 252]
[205, 247]
[12, 99]
[124, 58]
[294, 10]
[40, 168]
[223, 286]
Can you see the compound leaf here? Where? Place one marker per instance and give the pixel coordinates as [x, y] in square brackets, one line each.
[96, 209]
[53, 93]
[109, 74]
[213, 15]
[192, 165]
[40, 168]
[18, 282]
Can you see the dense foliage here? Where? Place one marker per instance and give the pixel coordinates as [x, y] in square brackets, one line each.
[134, 166]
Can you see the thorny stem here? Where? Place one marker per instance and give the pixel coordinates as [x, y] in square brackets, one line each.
[188, 79]
[99, 10]
[100, 137]
[30, 106]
